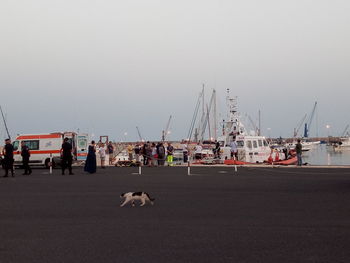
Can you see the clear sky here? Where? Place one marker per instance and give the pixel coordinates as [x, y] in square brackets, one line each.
[108, 66]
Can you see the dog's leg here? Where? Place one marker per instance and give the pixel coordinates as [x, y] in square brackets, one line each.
[143, 201]
[127, 200]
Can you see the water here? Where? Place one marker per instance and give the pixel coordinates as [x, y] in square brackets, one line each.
[326, 155]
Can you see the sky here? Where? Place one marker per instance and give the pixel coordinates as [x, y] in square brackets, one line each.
[105, 67]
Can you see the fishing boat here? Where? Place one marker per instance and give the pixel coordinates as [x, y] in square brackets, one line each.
[252, 148]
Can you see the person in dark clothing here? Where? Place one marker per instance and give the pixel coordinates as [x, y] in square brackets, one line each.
[137, 151]
[8, 160]
[66, 156]
[298, 149]
[90, 164]
[25, 153]
[217, 150]
[144, 153]
[161, 154]
[110, 149]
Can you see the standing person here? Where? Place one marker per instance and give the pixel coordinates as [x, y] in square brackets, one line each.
[198, 151]
[7, 152]
[234, 149]
[137, 151]
[161, 154]
[110, 149]
[130, 151]
[149, 154]
[217, 150]
[185, 151]
[25, 153]
[102, 153]
[298, 149]
[66, 156]
[154, 155]
[90, 164]
[170, 152]
[144, 153]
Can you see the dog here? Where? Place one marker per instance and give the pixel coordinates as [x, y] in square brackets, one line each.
[133, 196]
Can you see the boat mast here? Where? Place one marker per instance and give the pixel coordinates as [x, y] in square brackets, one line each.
[215, 117]
[3, 118]
[259, 131]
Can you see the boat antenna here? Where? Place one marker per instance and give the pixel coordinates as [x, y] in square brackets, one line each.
[3, 118]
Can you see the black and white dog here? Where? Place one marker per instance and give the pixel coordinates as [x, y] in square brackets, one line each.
[133, 196]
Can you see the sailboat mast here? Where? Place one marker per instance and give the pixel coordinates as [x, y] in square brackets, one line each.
[215, 117]
[3, 118]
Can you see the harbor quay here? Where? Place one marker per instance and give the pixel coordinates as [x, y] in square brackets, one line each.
[215, 214]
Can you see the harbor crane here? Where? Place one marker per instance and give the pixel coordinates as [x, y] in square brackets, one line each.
[139, 133]
[308, 124]
[166, 131]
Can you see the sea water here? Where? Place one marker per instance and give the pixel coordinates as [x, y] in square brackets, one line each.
[326, 155]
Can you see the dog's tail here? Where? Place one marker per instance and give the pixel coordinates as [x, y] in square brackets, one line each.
[149, 197]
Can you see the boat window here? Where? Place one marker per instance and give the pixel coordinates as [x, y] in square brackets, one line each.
[255, 144]
[15, 145]
[260, 143]
[249, 144]
[265, 143]
[32, 145]
[240, 144]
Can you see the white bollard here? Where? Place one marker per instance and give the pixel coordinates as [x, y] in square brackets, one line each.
[140, 171]
[50, 163]
[188, 168]
[234, 158]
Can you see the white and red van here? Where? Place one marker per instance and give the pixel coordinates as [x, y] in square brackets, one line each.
[43, 145]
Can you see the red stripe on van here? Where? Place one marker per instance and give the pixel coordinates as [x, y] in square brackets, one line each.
[39, 152]
[42, 136]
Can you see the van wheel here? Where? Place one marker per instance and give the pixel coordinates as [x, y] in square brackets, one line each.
[47, 164]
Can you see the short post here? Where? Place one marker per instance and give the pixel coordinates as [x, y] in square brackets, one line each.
[140, 170]
[234, 158]
[188, 167]
[50, 163]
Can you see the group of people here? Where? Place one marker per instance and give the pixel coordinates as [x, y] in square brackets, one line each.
[153, 154]
[90, 163]
[8, 158]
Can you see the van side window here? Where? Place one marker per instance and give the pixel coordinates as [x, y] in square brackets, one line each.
[255, 144]
[260, 143]
[32, 145]
[249, 144]
[15, 145]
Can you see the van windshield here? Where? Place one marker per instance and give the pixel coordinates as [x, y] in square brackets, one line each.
[15, 145]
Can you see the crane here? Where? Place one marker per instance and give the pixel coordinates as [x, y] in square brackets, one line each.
[166, 131]
[308, 124]
[139, 133]
[296, 130]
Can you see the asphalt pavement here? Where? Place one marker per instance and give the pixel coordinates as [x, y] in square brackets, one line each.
[213, 215]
